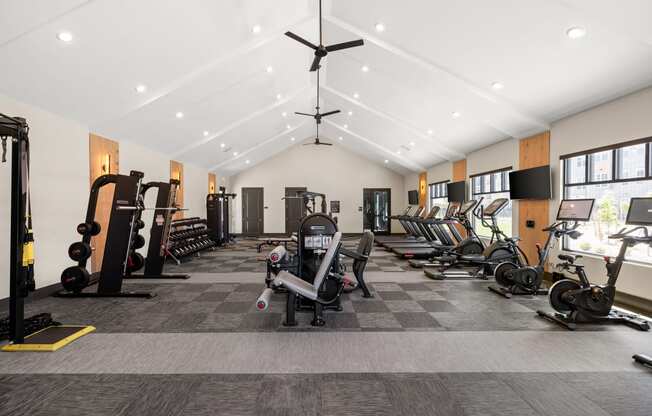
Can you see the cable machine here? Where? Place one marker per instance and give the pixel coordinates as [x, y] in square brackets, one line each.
[38, 333]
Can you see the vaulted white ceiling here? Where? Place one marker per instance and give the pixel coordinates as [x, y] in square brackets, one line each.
[238, 90]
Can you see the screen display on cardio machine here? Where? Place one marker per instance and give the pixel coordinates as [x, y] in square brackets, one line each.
[452, 209]
[317, 242]
[575, 210]
[467, 206]
[495, 206]
[640, 211]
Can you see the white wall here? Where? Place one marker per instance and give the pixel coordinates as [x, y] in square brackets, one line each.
[441, 172]
[625, 119]
[59, 180]
[339, 174]
[195, 184]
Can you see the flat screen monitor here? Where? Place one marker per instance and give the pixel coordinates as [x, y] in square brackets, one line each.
[530, 183]
[640, 211]
[495, 206]
[456, 191]
[413, 197]
[575, 210]
[452, 209]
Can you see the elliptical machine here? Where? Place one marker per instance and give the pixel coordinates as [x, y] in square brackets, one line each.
[583, 302]
[527, 280]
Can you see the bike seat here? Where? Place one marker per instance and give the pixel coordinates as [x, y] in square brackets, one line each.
[513, 239]
[570, 258]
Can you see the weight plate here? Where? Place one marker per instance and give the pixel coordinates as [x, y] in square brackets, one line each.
[80, 251]
[75, 278]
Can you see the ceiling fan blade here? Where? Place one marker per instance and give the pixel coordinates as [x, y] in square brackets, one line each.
[324, 144]
[300, 40]
[315, 64]
[304, 114]
[345, 45]
[331, 113]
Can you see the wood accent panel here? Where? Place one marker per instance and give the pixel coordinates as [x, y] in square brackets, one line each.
[459, 170]
[212, 183]
[176, 172]
[100, 151]
[423, 189]
[533, 152]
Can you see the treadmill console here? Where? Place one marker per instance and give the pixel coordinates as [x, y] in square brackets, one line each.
[453, 208]
[468, 206]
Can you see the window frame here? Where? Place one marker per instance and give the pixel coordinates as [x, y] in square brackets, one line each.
[504, 186]
[615, 163]
[441, 185]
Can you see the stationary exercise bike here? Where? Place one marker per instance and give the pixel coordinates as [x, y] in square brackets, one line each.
[527, 280]
[583, 302]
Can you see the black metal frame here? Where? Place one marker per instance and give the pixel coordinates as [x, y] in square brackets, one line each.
[614, 174]
[389, 209]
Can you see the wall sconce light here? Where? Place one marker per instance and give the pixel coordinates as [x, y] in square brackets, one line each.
[106, 164]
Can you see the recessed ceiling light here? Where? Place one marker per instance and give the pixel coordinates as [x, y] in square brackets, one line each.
[412, 144]
[497, 86]
[356, 95]
[576, 32]
[341, 138]
[256, 29]
[364, 68]
[247, 162]
[179, 114]
[235, 153]
[222, 145]
[141, 88]
[346, 126]
[380, 27]
[350, 113]
[386, 161]
[269, 69]
[456, 114]
[288, 126]
[64, 36]
[430, 132]
[279, 96]
[284, 114]
[292, 139]
[398, 152]
[205, 133]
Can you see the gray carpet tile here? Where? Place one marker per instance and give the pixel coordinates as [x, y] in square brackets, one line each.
[445, 394]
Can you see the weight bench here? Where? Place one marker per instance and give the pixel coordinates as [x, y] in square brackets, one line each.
[360, 258]
[275, 241]
[297, 286]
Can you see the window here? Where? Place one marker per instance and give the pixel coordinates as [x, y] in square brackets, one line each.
[611, 176]
[438, 193]
[490, 186]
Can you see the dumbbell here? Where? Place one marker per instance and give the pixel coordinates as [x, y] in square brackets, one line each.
[75, 278]
[138, 241]
[135, 262]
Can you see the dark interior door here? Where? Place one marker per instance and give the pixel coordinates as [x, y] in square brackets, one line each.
[252, 211]
[295, 209]
[376, 209]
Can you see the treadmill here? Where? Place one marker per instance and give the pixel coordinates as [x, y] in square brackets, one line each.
[413, 233]
[381, 239]
[416, 224]
[447, 238]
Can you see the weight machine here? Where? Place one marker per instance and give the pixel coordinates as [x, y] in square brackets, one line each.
[39, 333]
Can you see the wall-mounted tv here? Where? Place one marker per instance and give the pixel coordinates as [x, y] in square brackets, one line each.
[413, 197]
[531, 183]
[456, 191]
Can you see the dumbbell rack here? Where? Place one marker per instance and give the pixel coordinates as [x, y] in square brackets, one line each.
[188, 237]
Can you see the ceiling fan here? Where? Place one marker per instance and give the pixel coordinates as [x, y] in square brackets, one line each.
[321, 51]
[318, 116]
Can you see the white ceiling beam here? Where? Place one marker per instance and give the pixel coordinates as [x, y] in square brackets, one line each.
[479, 91]
[222, 60]
[446, 152]
[258, 146]
[413, 166]
[240, 122]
